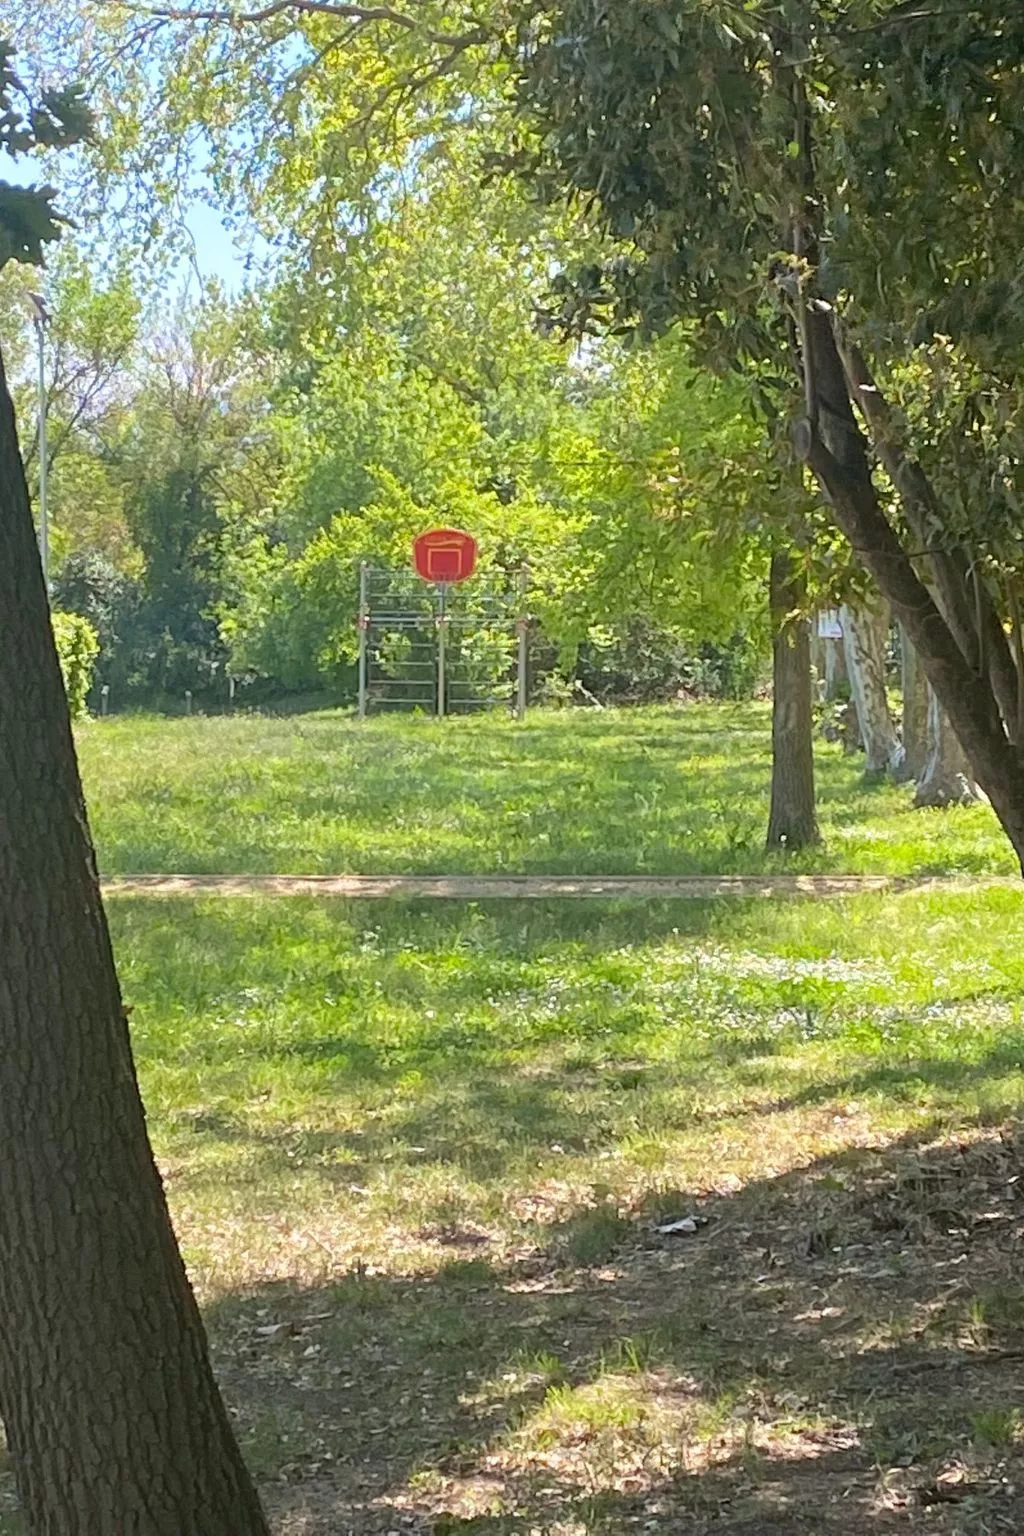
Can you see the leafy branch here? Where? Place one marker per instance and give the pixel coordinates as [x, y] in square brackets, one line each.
[28, 219]
[361, 15]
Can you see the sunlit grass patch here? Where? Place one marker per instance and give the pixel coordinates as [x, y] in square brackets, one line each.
[403, 1073]
[671, 790]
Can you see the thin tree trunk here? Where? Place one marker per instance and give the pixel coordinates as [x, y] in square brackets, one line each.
[113, 1418]
[915, 712]
[973, 676]
[792, 822]
[946, 778]
[853, 741]
[864, 635]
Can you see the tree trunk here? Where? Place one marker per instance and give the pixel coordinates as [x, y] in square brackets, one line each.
[836, 451]
[946, 779]
[113, 1418]
[853, 741]
[836, 676]
[915, 712]
[818, 663]
[864, 635]
[792, 822]
[960, 593]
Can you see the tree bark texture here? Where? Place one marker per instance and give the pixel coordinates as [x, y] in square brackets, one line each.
[915, 712]
[853, 741]
[836, 676]
[837, 454]
[946, 777]
[792, 822]
[865, 630]
[114, 1420]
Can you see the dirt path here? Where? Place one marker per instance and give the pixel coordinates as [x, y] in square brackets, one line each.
[489, 887]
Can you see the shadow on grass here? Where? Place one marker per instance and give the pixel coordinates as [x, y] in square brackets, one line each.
[839, 1349]
[489, 1124]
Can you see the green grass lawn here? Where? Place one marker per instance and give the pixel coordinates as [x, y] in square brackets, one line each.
[669, 791]
[419, 1154]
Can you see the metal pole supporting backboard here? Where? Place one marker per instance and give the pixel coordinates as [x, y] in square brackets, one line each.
[364, 625]
[442, 626]
[522, 625]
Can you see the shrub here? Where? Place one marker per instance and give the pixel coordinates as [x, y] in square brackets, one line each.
[77, 649]
[641, 662]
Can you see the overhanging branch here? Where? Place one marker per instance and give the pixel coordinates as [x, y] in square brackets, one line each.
[361, 14]
[965, 603]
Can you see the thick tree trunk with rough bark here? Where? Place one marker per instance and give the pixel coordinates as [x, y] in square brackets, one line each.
[113, 1418]
[864, 635]
[915, 712]
[836, 451]
[946, 777]
[793, 821]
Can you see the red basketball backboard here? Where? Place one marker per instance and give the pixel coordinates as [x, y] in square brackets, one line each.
[444, 554]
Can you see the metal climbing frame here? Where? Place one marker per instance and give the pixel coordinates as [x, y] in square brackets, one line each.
[439, 648]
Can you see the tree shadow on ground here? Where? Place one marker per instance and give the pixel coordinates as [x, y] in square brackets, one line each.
[485, 1119]
[836, 1349]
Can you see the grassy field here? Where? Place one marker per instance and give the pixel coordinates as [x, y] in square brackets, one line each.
[421, 1156]
[669, 791]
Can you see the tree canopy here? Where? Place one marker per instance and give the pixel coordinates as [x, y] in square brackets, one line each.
[816, 200]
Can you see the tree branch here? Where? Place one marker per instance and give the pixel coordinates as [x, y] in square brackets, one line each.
[362, 14]
[971, 616]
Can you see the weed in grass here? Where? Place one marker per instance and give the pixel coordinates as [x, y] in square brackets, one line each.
[1002, 1308]
[600, 1414]
[593, 1236]
[996, 1427]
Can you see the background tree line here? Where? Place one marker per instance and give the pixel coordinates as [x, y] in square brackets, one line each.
[218, 470]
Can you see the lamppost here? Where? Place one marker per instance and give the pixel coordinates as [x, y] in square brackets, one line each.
[40, 319]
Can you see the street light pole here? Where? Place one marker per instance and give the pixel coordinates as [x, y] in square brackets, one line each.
[40, 318]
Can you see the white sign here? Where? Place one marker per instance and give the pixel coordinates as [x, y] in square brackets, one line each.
[829, 627]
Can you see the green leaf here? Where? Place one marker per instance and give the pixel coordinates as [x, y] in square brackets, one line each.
[28, 222]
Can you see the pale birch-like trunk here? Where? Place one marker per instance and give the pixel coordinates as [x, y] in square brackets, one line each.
[915, 713]
[946, 779]
[835, 669]
[864, 636]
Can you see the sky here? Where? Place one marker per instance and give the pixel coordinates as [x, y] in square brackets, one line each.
[216, 250]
